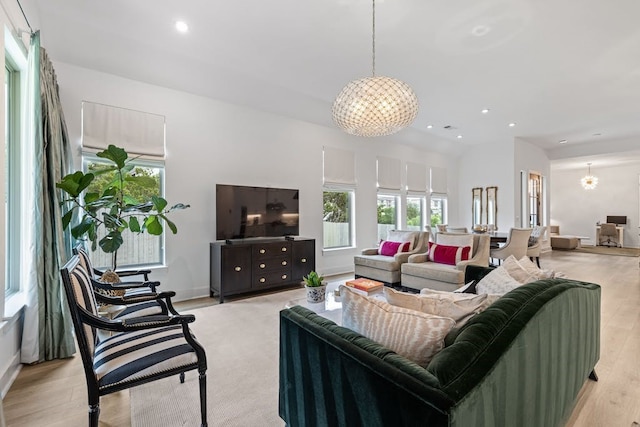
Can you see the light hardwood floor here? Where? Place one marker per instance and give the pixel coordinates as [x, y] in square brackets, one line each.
[53, 394]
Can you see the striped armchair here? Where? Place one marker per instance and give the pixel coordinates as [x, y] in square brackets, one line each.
[139, 350]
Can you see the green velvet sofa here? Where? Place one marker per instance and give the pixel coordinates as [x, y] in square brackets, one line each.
[521, 362]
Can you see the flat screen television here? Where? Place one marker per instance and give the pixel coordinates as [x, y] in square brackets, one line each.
[244, 212]
[616, 219]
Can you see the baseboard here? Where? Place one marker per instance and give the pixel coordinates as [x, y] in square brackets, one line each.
[10, 374]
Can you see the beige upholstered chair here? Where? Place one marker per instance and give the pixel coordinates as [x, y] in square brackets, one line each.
[458, 230]
[386, 269]
[535, 241]
[421, 273]
[516, 245]
[608, 235]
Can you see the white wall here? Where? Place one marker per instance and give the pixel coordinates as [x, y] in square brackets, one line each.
[577, 210]
[211, 142]
[487, 166]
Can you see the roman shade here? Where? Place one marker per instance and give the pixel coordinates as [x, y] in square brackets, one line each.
[438, 180]
[389, 175]
[139, 133]
[417, 178]
[339, 167]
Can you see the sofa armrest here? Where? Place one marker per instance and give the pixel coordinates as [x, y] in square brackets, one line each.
[403, 257]
[424, 257]
[370, 251]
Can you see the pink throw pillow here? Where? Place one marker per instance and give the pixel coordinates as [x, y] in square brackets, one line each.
[451, 255]
[391, 248]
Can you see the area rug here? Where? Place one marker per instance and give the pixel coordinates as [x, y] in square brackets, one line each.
[241, 339]
[605, 250]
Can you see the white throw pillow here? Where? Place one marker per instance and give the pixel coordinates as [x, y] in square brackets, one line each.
[518, 272]
[533, 269]
[412, 334]
[457, 306]
[497, 282]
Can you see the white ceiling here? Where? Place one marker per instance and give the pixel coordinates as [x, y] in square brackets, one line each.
[559, 69]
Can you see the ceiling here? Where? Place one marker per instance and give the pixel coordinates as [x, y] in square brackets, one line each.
[560, 70]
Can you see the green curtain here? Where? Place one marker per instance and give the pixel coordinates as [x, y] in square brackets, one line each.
[51, 247]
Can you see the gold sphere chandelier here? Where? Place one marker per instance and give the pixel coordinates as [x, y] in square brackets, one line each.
[377, 105]
[589, 182]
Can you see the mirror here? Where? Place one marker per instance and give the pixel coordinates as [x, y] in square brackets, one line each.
[492, 208]
[476, 206]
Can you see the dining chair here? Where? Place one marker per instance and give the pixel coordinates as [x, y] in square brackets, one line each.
[535, 243]
[138, 350]
[516, 245]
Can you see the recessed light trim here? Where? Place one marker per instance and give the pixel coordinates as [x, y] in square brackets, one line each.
[563, 141]
[429, 126]
[459, 137]
[182, 27]
[485, 111]
[512, 124]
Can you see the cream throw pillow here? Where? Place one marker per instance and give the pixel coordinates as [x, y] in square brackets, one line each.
[412, 334]
[498, 282]
[403, 236]
[533, 269]
[518, 272]
[458, 306]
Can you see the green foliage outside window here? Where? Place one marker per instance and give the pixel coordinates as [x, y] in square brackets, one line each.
[335, 206]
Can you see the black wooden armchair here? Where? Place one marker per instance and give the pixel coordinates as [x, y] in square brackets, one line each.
[130, 288]
[139, 350]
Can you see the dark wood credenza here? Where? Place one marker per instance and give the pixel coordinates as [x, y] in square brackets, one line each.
[245, 266]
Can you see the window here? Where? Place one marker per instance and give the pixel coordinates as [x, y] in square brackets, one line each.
[337, 218]
[438, 209]
[137, 249]
[387, 215]
[415, 213]
[12, 134]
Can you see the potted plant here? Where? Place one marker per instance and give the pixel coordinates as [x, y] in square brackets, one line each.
[316, 287]
[109, 208]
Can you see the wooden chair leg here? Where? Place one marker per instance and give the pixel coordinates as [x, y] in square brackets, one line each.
[203, 398]
[181, 377]
[538, 261]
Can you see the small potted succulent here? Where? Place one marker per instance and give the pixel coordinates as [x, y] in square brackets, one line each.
[316, 287]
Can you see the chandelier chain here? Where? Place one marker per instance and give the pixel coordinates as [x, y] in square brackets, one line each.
[373, 41]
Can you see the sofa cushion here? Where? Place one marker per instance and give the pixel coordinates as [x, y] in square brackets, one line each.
[380, 262]
[497, 282]
[457, 306]
[434, 271]
[444, 254]
[388, 248]
[403, 236]
[412, 334]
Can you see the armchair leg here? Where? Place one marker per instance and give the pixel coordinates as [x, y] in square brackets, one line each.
[94, 414]
[593, 376]
[181, 377]
[203, 398]
[538, 261]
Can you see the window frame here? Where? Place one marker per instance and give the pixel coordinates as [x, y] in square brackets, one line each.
[423, 204]
[91, 157]
[386, 195]
[351, 213]
[15, 63]
[444, 208]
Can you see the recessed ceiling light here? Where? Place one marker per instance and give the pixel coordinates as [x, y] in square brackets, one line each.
[480, 30]
[485, 111]
[563, 141]
[459, 136]
[511, 125]
[597, 134]
[182, 26]
[429, 126]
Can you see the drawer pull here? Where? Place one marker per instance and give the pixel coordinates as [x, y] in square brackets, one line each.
[262, 251]
[284, 262]
[284, 249]
[284, 276]
[262, 280]
[262, 266]
[303, 260]
[238, 268]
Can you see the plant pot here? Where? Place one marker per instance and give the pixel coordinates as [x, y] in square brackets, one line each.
[316, 294]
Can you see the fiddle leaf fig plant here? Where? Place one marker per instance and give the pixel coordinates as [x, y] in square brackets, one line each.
[110, 198]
